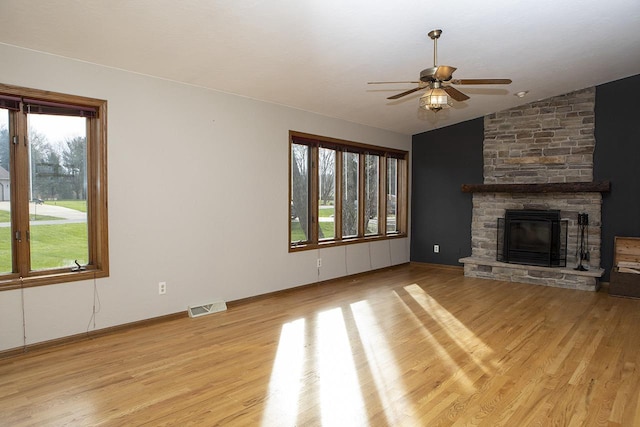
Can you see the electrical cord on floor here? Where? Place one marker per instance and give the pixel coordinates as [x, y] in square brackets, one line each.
[96, 298]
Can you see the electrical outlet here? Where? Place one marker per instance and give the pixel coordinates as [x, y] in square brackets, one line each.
[319, 262]
[162, 288]
[436, 249]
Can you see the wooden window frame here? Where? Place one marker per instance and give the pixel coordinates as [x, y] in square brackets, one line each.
[97, 219]
[341, 146]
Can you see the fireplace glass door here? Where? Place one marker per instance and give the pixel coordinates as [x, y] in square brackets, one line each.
[532, 237]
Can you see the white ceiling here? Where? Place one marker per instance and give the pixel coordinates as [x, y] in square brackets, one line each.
[317, 55]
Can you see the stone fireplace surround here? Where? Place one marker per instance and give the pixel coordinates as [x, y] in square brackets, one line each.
[539, 156]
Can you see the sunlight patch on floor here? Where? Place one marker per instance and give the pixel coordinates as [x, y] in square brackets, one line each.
[382, 364]
[284, 386]
[457, 374]
[341, 401]
[474, 347]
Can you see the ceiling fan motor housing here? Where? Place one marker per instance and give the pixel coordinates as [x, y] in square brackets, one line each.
[437, 73]
[428, 74]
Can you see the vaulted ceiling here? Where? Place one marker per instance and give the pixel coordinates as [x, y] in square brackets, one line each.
[319, 55]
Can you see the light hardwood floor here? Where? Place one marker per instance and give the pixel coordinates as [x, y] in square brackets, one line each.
[412, 345]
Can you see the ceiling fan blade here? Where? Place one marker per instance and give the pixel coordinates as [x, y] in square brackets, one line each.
[455, 93]
[481, 81]
[444, 72]
[387, 83]
[400, 95]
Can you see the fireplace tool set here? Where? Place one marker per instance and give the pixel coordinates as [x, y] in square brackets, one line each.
[583, 241]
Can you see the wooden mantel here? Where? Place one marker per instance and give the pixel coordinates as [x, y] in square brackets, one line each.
[556, 187]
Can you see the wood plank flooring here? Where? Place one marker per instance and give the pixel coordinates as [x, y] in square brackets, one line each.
[412, 345]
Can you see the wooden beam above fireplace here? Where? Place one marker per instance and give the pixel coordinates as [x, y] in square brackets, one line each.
[556, 187]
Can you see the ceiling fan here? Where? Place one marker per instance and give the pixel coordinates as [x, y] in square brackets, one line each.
[437, 79]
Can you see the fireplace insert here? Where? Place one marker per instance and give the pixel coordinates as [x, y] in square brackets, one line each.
[532, 237]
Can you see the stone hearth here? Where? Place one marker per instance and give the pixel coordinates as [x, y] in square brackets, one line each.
[545, 142]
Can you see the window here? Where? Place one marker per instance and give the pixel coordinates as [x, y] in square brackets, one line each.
[350, 187]
[300, 183]
[344, 192]
[327, 202]
[53, 206]
[392, 195]
[371, 178]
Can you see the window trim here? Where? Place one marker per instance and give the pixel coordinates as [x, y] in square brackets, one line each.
[97, 218]
[341, 146]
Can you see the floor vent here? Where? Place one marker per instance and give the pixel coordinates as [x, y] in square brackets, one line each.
[212, 307]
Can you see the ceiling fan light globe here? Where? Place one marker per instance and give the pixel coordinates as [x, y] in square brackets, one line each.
[435, 100]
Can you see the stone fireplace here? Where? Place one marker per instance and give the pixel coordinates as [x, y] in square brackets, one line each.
[539, 156]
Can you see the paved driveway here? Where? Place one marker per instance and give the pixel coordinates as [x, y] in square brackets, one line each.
[67, 215]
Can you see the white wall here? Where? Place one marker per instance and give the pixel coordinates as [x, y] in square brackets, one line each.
[198, 189]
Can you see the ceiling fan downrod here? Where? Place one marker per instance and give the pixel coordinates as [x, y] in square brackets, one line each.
[435, 35]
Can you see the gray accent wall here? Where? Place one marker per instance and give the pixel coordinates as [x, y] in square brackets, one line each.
[443, 160]
[617, 159]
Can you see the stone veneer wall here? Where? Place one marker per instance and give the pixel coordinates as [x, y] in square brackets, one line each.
[543, 142]
[546, 141]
